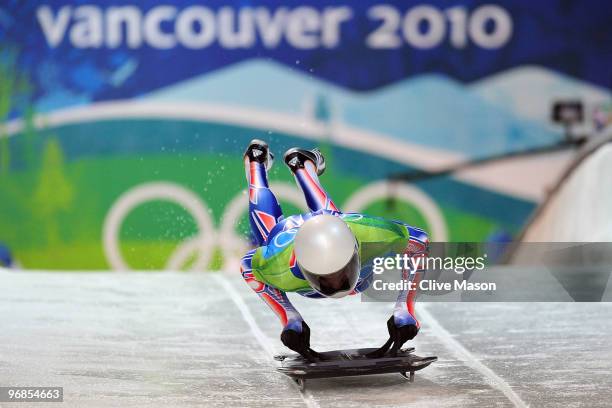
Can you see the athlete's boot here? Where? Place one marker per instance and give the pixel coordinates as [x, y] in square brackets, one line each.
[258, 151]
[296, 157]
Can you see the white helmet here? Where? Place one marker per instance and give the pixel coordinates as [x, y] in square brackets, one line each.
[328, 255]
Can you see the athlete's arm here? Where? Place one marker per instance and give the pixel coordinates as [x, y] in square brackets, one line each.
[416, 249]
[403, 325]
[296, 333]
[277, 300]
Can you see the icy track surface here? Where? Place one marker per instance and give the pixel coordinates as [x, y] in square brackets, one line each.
[168, 339]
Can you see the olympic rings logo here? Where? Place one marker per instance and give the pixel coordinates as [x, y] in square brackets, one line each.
[230, 243]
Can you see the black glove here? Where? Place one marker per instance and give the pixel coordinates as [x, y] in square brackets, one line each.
[397, 337]
[300, 342]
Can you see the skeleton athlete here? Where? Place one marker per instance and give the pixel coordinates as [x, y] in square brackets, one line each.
[322, 253]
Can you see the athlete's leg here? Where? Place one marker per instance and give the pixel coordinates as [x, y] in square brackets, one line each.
[306, 166]
[264, 210]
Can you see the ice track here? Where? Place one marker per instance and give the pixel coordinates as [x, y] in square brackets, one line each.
[168, 339]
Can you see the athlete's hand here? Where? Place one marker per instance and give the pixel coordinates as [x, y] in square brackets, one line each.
[299, 341]
[398, 335]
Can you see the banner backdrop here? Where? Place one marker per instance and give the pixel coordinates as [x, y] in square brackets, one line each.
[123, 124]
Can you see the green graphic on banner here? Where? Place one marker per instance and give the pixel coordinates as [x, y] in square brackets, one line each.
[179, 200]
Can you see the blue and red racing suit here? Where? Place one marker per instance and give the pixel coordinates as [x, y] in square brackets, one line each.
[271, 269]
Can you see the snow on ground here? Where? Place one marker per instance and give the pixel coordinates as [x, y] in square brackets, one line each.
[167, 339]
